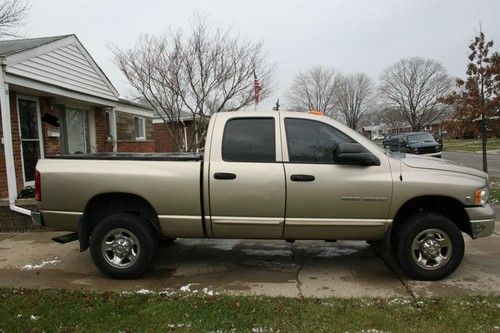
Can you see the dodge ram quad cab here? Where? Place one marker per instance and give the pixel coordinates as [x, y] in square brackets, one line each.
[266, 175]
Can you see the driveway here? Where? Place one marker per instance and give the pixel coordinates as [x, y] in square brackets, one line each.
[273, 268]
[475, 160]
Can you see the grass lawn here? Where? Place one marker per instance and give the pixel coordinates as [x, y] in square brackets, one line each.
[495, 190]
[470, 145]
[24, 310]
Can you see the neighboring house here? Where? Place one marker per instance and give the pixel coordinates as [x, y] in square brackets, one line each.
[375, 132]
[56, 100]
[164, 141]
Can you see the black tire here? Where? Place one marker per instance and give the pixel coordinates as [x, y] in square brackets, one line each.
[138, 230]
[167, 240]
[407, 258]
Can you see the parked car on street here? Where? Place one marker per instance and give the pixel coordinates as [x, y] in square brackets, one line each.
[266, 175]
[421, 143]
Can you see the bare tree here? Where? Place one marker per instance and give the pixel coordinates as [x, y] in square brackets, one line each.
[201, 73]
[413, 86]
[13, 13]
[313, 90]
[353, 96]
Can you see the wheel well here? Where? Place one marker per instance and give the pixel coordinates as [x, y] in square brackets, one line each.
[446, 206]
[106, 204]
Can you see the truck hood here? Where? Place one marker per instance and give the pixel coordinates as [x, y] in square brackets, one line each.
[432, 163]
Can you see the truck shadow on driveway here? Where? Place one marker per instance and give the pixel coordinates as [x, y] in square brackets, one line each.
[273, 268]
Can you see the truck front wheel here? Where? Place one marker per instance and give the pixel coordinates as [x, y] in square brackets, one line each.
[428, 246]
[123, 246]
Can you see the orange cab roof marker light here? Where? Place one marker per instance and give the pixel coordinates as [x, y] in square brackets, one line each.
[318, 113]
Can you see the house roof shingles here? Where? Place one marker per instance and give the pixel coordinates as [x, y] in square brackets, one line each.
[13, 46]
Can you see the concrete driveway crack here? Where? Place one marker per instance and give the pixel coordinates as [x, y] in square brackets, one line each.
[297, 276]
[392, 266]
[297, 279]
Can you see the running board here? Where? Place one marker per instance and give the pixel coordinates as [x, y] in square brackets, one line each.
[63, 239]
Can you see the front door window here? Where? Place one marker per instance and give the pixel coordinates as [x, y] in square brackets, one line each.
[76, 131]
[30, 137]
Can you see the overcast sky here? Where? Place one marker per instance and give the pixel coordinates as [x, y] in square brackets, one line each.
[349, 35]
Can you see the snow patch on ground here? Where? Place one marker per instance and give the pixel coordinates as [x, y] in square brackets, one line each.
[186, 288]
[225, 245]
[179, 325]
[44, 263]
[270, 253]
[145, 292]
[335, 252]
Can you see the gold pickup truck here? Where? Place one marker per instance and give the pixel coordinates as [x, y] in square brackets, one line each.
[266, 175]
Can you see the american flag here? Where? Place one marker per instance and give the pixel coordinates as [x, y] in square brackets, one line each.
[256, 87]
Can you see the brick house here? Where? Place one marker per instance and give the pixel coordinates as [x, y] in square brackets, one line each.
[56, 100]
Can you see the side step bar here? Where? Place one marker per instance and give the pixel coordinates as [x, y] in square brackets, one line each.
[63, 239]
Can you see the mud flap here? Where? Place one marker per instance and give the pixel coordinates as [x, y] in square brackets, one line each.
[83, 235]
[63, 239]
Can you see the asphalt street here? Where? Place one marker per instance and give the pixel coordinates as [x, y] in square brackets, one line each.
[475, 160]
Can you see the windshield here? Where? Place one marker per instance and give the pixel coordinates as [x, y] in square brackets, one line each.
[420, 137]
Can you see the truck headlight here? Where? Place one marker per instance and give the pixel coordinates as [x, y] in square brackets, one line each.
[481, 196]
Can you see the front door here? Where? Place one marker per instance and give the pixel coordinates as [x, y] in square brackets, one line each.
[247, 184]
[30, 132]
[76, 131]
[326, 200]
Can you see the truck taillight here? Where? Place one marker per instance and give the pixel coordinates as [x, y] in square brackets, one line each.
[38, 187]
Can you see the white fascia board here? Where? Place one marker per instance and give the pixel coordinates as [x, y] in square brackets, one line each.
[47, 88]
[133, 110]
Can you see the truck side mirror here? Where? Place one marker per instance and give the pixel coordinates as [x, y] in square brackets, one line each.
[354, 154]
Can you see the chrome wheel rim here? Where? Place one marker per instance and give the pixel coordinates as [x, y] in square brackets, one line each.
[120, 248]
[432, 249]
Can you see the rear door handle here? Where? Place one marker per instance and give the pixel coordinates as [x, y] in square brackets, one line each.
[224, 175]
[302, 178]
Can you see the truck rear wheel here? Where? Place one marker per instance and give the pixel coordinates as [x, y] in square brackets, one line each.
[123, 246]
[429, 246]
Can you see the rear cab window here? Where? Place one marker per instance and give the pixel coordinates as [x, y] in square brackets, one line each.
[249, 140]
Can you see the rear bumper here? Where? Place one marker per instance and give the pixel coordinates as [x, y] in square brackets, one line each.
[37, 219]
[482, 220]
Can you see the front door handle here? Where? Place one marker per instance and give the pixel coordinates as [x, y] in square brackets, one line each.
[224, 175]
[302, 178]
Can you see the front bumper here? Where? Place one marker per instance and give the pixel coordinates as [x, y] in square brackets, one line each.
[482, 220]
[37, 219]
[436, 154]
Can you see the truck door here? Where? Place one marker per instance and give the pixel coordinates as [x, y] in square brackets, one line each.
[326, 200]
[247, 180]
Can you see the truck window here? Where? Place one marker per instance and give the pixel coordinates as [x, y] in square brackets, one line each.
[311, 141]
[249, 140]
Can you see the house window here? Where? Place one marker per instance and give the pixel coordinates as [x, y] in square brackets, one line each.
[139, 128]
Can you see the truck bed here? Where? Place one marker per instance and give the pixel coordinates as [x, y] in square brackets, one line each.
[175, 156]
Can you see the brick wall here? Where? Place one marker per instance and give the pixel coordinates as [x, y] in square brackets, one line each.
[164, 141]
[16, 141]
[101, 131]
[51, 145]
[145, 146]
[3, 173]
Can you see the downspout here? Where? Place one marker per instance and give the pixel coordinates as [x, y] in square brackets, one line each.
[7, 142]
